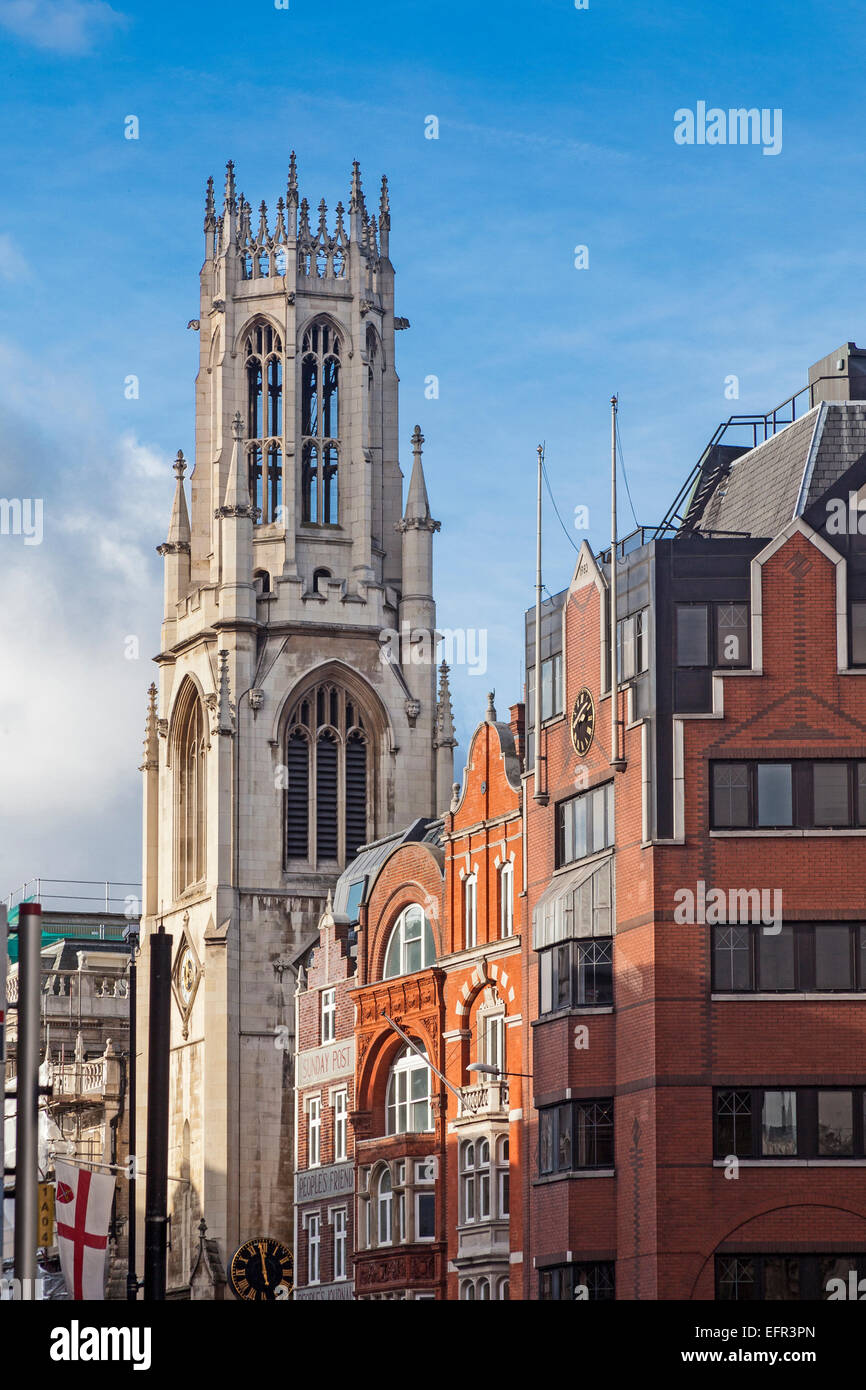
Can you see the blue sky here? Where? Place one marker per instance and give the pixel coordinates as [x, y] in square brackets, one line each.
[555, 130]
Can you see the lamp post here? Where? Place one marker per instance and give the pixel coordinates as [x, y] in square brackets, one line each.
[131, 935]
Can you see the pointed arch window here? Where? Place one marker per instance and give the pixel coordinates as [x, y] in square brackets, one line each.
[263, 361]
[320, 425]
[190, 761]
[329, 775]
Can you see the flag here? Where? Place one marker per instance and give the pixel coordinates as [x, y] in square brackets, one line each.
[83, 1213]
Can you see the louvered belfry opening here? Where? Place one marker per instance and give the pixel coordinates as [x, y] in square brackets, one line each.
[328, 765]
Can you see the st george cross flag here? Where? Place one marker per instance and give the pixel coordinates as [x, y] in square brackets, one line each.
[83, 1211]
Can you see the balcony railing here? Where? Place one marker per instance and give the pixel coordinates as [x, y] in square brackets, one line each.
[486, 1097]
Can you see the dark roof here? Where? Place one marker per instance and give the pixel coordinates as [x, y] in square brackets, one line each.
[765, 488]
[370, 858]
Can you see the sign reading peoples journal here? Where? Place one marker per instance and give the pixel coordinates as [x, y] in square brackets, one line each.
[326, 1063]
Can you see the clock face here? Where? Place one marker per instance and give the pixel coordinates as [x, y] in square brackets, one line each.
[187, 976]
[583, 722]
[261, 1270]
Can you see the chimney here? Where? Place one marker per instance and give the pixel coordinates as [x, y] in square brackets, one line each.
[517, 724]
[840, 376]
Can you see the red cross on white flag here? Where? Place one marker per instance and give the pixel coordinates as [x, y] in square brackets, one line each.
[83, 1215]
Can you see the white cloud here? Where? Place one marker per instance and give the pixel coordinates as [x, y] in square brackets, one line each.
[63, 26]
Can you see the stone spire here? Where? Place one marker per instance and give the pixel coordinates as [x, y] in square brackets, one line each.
[230, 209]
[175, 552]
[209, 208]
[178, 530]
[237, 497]
[445, 741]
[151, 740]
[417, 502]
[357, 207]
[292, 189]
[237, 594]
[384, 220]
[225, 711]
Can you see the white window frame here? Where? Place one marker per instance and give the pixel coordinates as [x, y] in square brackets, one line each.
[384, 1202]
[314, 1132]
[470, 910]
[398, 1100]
[493, 1039]
[314, 1247]
[340, 1221]
[341, 1125]
[418, 1236]
[506, 900]
[329, 1015]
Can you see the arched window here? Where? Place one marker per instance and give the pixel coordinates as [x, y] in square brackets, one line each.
[190, 752]
[384, 1208]
[467, 1291]
[506, 899]
[263, 360]
[484, 1289]
[503, 1178]
[408, 1096]
[319, 578]
[411, 946]
[320, 425]
[329, 773]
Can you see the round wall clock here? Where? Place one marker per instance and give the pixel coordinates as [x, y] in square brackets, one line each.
[583, 722]
[261, 1270]
[186, 975]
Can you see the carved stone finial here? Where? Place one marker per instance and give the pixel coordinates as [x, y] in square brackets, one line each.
[237, 425]
[455, 795]
[490, 716]
[179, 466]
[151, 733]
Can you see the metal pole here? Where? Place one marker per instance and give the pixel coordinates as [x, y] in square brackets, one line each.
[156, 1187]
[27, 1095]
[614, 664]
[539, 794]
[131, 1276]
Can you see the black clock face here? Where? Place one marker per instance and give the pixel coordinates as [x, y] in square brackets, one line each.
[261, 1270]
[583, 722]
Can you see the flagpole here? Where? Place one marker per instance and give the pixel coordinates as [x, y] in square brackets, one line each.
[27, 1095]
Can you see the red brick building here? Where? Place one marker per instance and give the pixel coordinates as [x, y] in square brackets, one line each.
[433, 1015]
[695, 959]
[325, 1098]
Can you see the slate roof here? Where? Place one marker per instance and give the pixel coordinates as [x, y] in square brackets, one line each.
[767, 486]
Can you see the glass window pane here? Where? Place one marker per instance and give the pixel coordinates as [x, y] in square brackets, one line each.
[692, 634]
[830, 785]
[734, 1124]
[775, 796]
[736, 1279]
[545, 1129]
[599, 819]
[545, 967]
[776, 967]
[858, 634]
[781, 1278]
[835, 1267]
[579, 828]
[426, 1216]
[732, 959]
[836, 1124]
[730, 795]
[732, 634]
[779, 1124]
[834, 966]
[564, 1139]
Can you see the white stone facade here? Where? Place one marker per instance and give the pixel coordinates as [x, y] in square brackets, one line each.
[247, 627]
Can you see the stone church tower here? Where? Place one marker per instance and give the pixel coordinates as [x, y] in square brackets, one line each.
[297, 715]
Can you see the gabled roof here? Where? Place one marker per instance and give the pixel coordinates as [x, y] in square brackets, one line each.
[766, 487]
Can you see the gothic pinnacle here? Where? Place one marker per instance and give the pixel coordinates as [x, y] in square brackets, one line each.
[209, 208]
[384, 204]
[151, 741]
[178, 529]
[230, 186]
[323, 218]
[179, 465]
[357, 201]
[263, 223]
[292, 190]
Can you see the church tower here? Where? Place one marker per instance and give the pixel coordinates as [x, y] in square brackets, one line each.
[297, 715]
